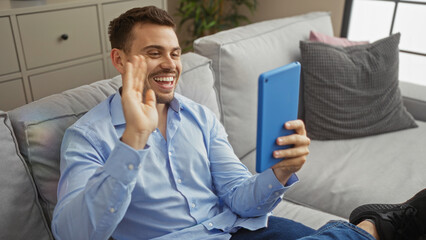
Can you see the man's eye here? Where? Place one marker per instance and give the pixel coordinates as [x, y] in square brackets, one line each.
[176, 54]
[154, 53]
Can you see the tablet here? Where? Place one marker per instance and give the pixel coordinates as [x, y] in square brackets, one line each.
[278, 103]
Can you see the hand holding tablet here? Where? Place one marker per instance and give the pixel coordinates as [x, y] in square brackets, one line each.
[278, 98]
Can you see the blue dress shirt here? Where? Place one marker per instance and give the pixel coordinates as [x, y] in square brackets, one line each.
[190, 186]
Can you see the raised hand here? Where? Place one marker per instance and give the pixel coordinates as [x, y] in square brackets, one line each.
[295, 157]
[139, 107]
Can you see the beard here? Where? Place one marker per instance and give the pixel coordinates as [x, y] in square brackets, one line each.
[160, 98]
[165, 99]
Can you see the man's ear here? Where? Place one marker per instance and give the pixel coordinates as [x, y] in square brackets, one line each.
[118, 58]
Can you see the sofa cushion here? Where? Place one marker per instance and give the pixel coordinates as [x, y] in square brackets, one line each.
[21, 214]
[197, 81]
[352, 91]
[340, 175]
[241, 54]
[40, 125]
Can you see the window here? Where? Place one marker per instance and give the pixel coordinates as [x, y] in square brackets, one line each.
[375, 19]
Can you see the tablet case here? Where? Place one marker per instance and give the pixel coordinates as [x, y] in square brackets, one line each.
[278, 100]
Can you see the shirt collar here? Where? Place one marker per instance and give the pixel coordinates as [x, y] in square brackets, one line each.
[175, 104]
[117, 114]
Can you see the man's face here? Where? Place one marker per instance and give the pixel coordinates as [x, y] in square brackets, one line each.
[160, 47]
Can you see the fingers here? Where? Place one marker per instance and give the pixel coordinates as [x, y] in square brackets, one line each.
[294, 139]
[294, 157]
[291, 152]
[299, 141]
[150, 98]
[127, 76]
[297, 125]
[134, 74]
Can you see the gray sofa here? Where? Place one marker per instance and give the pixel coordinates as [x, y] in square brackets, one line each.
[338, 176]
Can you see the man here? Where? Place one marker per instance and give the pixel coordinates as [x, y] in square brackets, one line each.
[148, 163]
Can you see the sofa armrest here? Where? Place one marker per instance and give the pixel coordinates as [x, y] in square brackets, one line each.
[414, 98]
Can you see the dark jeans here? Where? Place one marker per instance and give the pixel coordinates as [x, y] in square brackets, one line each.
[285, 229]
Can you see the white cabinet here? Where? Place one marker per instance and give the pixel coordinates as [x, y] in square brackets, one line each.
[8, 57]
[49, 46]
[58, 36]
[60, 80]
[12, 94]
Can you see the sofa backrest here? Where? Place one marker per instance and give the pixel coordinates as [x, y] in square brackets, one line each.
[241, 54]
[197, 81]
[39, 126]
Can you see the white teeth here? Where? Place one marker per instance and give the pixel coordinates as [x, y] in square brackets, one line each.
[164, 79]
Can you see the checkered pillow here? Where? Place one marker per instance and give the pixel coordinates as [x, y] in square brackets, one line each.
[352, 91]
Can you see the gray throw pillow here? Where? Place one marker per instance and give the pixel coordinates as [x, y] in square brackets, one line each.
[352, 91]
[20, 211]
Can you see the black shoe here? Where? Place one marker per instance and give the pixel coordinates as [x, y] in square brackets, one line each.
[395, 221]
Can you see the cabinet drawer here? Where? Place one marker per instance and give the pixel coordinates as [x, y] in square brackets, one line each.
[8, 60]
[12, 94]
[58, 81]
[58, 36]
[113, 10]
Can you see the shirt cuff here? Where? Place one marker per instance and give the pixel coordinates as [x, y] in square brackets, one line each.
[269, 179]
[292, 180]
[124, 162]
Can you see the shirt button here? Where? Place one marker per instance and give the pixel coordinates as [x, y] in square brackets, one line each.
[193, 205]
[130, 166]
[179, 180]
[277, 193]
[258, 208]
[270, 186]
[211, 224]
[112, 210]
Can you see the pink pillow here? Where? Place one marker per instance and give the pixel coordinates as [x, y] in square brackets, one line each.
[319, 37]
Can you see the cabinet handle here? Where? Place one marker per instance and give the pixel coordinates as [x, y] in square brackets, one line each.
[64, 36]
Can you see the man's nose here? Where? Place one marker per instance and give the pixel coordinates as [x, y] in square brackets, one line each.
[168, 63]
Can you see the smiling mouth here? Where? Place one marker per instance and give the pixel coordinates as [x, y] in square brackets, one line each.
[165, 81]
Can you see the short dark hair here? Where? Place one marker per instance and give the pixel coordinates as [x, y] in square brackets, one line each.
[120, 29]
